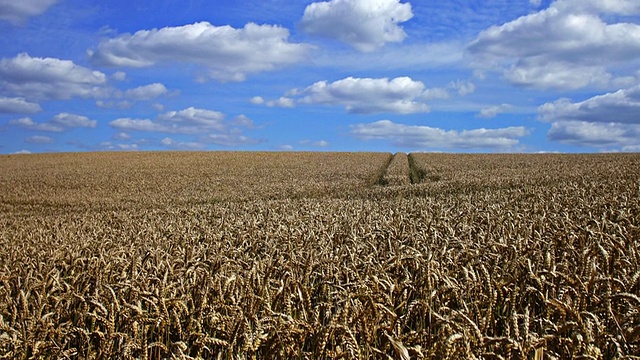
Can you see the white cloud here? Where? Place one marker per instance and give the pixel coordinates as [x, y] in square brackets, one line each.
[129, 124]
[557, 75]
[364, 24]
[243, 121]
[146, 92]
[59, 123]
[188, 121]
[210, 127]
[285, 147]
[229, 54]
[29, 124]
[435, 94]
[22, 152]
[39, 139]
[257, 100]
[493, 111]
[18, 106]
[319, 143]
[619, 7]
[17, 11]
[463, 87]
[49, 78]
[367, 95]
[108, 145]
[167, 141]
[122, 136]
[622, 106]
[566, 46]
[601, 135]
[122, 104]
[607, 120]
[192, 118]
[170, 143]
[67, 120]
[231, 139]
[426, 137]
[284, 102]
[119, 76]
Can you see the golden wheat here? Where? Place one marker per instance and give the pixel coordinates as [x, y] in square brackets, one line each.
[305, 255]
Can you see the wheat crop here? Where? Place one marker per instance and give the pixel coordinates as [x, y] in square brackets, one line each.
[310, 255]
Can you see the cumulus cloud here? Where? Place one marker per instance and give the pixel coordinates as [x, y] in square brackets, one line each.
[49, 78]
[188, 121]
[283, 102]
[243, 121]
[199, 119]
[622, 106]
[227, 53]
[493, 111]
[607, 120]
[29, 124]
[463, 87]
[121, 104]
[364, 24]
[18, 106]
[130, 124]
[401, 95]
[366, 95]
[59, 123]
[600, 135]
[17, 12]
[67, 120]
[210, 126]
[426, 137]
[257, 100]
[566, 46]
[121, 136]
[146, 92]
[617, 7]
[109, 146]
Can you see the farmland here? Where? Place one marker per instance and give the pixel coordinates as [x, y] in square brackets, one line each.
[319, 255]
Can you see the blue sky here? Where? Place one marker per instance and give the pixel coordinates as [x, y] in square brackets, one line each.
[339, 75]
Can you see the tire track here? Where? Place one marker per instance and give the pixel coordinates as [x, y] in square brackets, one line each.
[417, 173]
[398, 171]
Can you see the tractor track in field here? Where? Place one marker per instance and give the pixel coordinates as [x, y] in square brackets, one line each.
[397, 171]
[402, 169]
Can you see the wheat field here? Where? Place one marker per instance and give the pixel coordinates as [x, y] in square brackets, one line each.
[249, 255]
